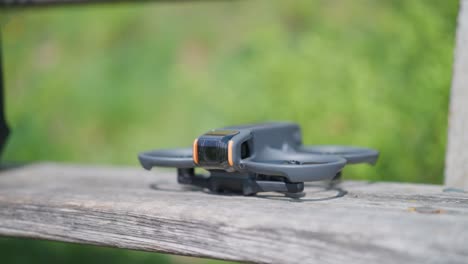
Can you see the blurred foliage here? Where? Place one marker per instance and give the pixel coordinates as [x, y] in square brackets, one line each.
[29, 251]
[99, 84]
[25, 251]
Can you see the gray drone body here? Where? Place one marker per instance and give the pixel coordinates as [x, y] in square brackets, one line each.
[257, 158]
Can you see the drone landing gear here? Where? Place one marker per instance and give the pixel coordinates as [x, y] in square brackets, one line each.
[243, 183]
[338, 177]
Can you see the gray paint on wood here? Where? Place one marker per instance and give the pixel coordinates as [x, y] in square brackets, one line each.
[456, 169]
[359, 222]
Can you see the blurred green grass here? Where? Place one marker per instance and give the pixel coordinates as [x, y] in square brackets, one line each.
[99, 84]
[24, 251]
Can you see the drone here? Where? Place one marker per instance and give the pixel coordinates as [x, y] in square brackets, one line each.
[250, 159]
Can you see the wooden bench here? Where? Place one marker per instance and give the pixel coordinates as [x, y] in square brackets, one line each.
[356, 221]
[131, 208]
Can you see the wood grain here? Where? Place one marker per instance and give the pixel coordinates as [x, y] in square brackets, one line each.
[358, 222]
[456, 169]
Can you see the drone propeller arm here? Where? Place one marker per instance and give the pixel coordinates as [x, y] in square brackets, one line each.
[352, 154]
[316, 168]
[179, 158]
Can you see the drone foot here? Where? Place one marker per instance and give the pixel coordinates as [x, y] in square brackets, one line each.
[222, 182]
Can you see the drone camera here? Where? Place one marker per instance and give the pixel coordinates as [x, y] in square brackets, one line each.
[213, 150]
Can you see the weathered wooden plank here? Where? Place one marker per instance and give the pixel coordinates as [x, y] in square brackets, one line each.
[456, 169]
[359, 222]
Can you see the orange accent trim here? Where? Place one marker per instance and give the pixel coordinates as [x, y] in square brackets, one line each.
[230, 161]
[195, 151]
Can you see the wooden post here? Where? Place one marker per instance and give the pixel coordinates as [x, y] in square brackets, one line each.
[456, 169]
[4, 130]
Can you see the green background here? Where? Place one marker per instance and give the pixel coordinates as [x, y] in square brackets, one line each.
[98, 84]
